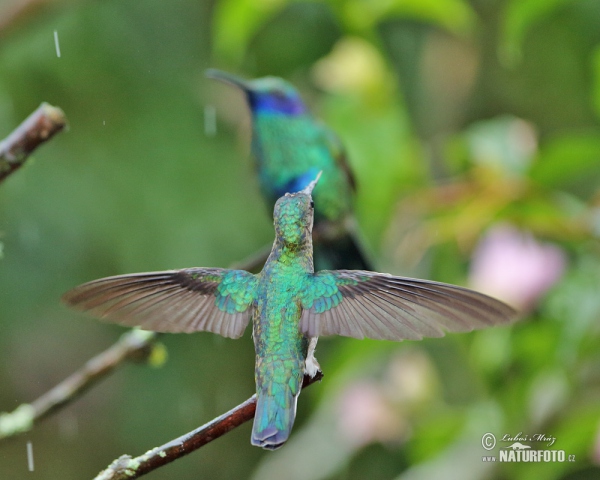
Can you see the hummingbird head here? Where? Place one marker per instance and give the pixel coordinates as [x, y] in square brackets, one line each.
[294, 215]
[265, 95]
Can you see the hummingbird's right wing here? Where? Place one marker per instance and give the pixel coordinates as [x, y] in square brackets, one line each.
[360, 304]
[189, 300]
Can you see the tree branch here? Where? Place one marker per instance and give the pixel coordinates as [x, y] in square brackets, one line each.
[134, 345]
[19, 10]
[39, 127]
[126, 468]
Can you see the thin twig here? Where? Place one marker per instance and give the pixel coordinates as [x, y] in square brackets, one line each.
[133, 345]
[39, 127]
[126, 468]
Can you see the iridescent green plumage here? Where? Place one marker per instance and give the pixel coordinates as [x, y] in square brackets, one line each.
[290, 307]
[281, 348]
[290, 147]
[292, 150]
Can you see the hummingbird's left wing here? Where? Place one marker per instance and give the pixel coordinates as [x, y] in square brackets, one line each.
[362, 304]
[189, 300]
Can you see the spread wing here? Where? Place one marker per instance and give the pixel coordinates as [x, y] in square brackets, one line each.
[362, 304]
[209, 299]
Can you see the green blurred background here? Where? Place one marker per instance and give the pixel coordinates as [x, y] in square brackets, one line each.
[473, 130]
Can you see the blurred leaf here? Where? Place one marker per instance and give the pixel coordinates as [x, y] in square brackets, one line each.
[282, 47]
[437, 71]
[558, 215]
[575, 305]
[534, 345]
[491, 350]
[454, 15]
[571, 162]
[519, 16]
[435, 432]
[235, 22]
[596, 72]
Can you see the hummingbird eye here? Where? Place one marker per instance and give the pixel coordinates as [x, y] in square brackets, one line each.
[312, 204]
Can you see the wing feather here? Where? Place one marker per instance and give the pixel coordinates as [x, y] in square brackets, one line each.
[212, 299]
[366, 304]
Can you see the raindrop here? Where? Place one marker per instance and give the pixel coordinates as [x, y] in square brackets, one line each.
[30, 456]
[56, 44]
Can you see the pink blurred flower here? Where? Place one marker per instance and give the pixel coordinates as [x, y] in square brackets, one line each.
[596, 448]
[513, 266]
[364, 415]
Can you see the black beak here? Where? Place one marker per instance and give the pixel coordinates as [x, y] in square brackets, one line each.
[228, 78]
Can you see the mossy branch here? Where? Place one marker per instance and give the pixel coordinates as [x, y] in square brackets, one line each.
[36, 129]
[126, 468]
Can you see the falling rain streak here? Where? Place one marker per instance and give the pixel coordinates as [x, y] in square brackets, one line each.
[30, 456]
[210, 120]
[56, 44]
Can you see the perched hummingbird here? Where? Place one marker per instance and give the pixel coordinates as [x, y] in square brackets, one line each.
[290, 147]
[290, 306]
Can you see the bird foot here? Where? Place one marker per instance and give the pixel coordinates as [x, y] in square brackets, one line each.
[311, 366]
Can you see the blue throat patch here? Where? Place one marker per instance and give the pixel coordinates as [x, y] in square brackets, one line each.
[269, 103]
[298, 183]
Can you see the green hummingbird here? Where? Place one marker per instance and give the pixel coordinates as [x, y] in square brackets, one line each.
[290, 306]
[290, 147]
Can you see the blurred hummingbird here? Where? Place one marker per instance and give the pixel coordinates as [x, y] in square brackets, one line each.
[290, 147]
[290, 306]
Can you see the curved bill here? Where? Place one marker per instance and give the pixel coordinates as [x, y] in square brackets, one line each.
[227, 78]
[309, 188]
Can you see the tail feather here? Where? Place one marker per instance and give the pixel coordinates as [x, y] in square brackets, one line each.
[274, 417]
[341, 253]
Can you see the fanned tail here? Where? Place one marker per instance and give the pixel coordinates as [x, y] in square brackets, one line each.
[275, 415]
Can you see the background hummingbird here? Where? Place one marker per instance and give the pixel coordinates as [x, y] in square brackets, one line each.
[290, 306]
[290, 147]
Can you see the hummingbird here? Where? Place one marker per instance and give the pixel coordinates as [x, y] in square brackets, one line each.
[290, 147]
[290, 305]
